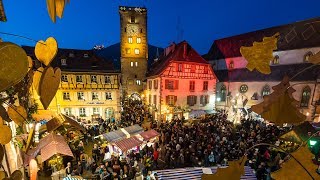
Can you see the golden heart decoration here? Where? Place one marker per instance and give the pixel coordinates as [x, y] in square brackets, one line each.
[2, 174]
[5, 133]
[17, 114]
[30, 63]
[14, 64]
[36, 78]
[56, 8]
[45, 51]
[49, 85]
[4, 115]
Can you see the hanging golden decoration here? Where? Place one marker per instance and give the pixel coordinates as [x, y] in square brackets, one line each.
[56, 8]
[315, 59]
[45, 51]
[5, 133]
[17, 114]
[49, 85]
[260, 54]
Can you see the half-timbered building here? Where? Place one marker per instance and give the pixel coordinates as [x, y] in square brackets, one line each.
[180, 83]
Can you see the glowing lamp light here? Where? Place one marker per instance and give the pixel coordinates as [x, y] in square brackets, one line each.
[233, 100]
[33, 169]
[237, 94]
[312, 142]
[218, 99]
[307, 114]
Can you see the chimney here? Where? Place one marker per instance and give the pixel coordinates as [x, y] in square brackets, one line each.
[184, 50]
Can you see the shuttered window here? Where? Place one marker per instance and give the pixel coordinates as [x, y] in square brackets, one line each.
[171, 100]
[192, 85]
[204, 100]
[171, 84]
[191, 100]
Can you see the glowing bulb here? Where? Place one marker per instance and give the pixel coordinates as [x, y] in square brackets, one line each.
[307, 114]
[218, 99]
[237, 94]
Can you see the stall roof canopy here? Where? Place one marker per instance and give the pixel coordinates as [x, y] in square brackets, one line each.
[149, 134]
[60, 120]
[299, 133]
[114, 136]
[135, 129]
[127, 144]
[196, 113]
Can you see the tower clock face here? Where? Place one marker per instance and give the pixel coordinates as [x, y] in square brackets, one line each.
[132, 29]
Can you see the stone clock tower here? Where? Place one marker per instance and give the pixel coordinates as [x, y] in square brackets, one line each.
[134, 48]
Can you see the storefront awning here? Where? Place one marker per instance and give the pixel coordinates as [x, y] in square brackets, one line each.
[127, 144]
[135, 129]
[114, 136]
[147, 135]
[196, 113]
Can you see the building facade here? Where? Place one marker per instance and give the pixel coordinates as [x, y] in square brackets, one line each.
[238, 88]
[89, 85]
[133, 47]
[180, 83]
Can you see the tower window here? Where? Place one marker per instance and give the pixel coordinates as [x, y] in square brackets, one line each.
[136, 64]
[138, 40]
[141, 30]
[125, 29]
[138, 82]
[136, 51]
[131, 64]
[133, 19]
[128, 50]
[130, 40]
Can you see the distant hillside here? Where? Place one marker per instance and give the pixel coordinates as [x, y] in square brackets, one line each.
[113, 53]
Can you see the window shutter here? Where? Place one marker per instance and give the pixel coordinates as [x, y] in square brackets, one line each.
[167, 100]
[176, 84]
[195, 99]
[175, 99]
[201, 100]
[112, 79]
[167, 84]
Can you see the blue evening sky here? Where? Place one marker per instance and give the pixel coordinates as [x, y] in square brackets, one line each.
[90, 22]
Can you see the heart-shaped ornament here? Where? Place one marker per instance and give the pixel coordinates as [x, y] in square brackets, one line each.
[60, 7]
[49, 85]
[17, 114]
[1, 154]
[2, 174]
[14, 64]
[46, 51]
[30, 63]
[36, 78]
[16, 175]
[4, 114]
[5, 134]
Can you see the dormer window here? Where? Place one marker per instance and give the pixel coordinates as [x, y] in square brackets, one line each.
[93, 79]
[63, 62]
[85, 55]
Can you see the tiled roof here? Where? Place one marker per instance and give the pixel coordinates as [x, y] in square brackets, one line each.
[303, 34]
[177, 54]
[77, 60]
[277, 73]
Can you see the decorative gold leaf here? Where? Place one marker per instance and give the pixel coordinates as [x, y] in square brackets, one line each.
[315, 59]
[260, 54]
[2, 174]
[292, 170]
[1, 154]
[30, 63]
[51, 6]
[233, 172]
[46, 51]
[5, 134]
[36, 78]
[49, 85]
[14, 65]
[16, 175]
[60, 7]
[17, 114]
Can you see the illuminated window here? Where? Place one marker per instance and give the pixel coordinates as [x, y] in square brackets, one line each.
[205, 85]
[128, 50]
[276, 60]
[66, 96]
[155, 84]
[79, 78]
[171, 84]
[131, 64]
[150, 84]
[154, 99]
[133, 19]
[223, 93]
[305, 98]
[193, 69]
[130, 40]
[265, 90]
[93, 79]
[171, 100]
[138, 82]
[95, 96]
[136, 51]
[180, 68]
[192, 85]
[243, 88]
[107, 79]
[63, 62]
[307, 56]
[231, 65]
[136, 64]
[204, 100]
[96, 110]
[191, 100]
[109, 113]
[80, 95]
[85, 55]
[150, 98]
[205, 70]
[108, 96]
[64, 78]
[138, 40]
[82, 112]
[67, 111]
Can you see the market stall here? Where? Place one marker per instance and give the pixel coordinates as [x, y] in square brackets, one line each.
[127, 144]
